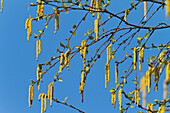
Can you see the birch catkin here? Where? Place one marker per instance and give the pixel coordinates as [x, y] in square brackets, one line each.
[140, 59]
[51, 95]
[45, 103]
[96, 28]
[56, 22]
[125, 16]
[120, 98]
[30, 98]
[113, 100]
[106, 73]
[2, 5]
[134, 57]
[145, 10]
[167, 71]
[143, 90]
[66, 55]
[116, 73]
[143, 54]
[167, 8]
[82, 84]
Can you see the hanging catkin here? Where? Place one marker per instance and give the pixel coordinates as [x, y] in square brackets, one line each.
[120, 98]
[145, 10]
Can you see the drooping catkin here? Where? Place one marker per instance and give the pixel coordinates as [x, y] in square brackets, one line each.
[165, 89]
[26, 23]
[143, 90]
[51, 94]
[42, 103]
[167, 8]
[92, 7]
[120, 98]
[167, 71]
[61, 63]
[56, 22]
[82, 84]
[106, 73]
[30, 98]
[116, 73]
[38, 77]
[148, 80]
[125, 16]
[38, 9]
[136, 97]
[49, 91]
[162, 56]
[29, 28]
[96, 28]
[145, 10]
[142, 54]
[84, 55]
[134, 57]
[39, 47]
[45, 103]
[108, 53]
[140, 59]
[2, 5]
[66, 55]
[113, 99]
[42, 8]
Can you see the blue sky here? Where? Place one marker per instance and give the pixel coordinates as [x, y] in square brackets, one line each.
[18, 61]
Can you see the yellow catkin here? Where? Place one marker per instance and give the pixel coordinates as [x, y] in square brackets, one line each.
[106, 73]
[161, 109]
[145, 10]
[142, 54]
[45, 103]
[167, 71]
[30, 99]
[49, 90]
[134, 57]
[56, 22]
[120, 98]
[38, 9]
[38, 78]
[29, 29]
[51, 95]
[42, 104]
[96, 28]
[26, 23]
[162, 55]
[37, 49]
[82, 84]
[148, 75]
[84, 54]
[165, 89]
[108, 53]
[113, 100]
[42, 8]
[2, 5]
[125, 16]
[66, 55]
[98, 2]
[149, 108]
[92, 7]
[140, 59]
[138, 98]
[61, 63]
[143, 90]
[116, 73]
[167, 8]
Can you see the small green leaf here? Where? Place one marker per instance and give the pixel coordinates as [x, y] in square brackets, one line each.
[62, 45]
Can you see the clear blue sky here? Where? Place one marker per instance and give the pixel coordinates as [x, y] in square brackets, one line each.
[18, 61]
